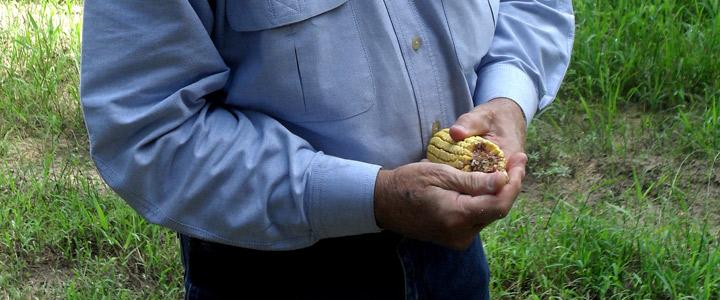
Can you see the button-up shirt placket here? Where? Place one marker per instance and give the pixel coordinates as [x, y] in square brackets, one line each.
[419, 55]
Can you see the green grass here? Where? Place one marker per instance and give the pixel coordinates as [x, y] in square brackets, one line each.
[621, 200]
[62, 232]
[642, 223]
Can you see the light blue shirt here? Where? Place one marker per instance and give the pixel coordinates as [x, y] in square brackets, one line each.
[263, 123]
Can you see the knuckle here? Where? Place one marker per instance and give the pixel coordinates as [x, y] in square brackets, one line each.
[481, 181]
[465, 118]
[442, 170]
[449, 225]
[434, 170]
[455, 222]
[490, 115]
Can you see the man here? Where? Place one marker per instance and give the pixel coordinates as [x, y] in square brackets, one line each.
[281, 138]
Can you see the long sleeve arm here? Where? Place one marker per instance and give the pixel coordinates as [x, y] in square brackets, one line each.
[184, 160]
[529, 54]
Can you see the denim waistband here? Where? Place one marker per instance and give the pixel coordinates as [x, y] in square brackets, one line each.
[360, 267]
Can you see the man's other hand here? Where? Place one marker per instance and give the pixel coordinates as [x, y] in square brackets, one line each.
[438, 203]
[500, 120]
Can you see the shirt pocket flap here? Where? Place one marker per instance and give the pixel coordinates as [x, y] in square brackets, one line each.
[254, 15]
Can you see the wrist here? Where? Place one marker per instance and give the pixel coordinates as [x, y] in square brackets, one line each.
[508, 109]
[382, 196]
[511, 107]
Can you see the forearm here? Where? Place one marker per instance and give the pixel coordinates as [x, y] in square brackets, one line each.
[191, 163]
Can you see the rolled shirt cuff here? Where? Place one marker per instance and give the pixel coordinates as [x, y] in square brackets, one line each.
[507, 81]
[341, 197]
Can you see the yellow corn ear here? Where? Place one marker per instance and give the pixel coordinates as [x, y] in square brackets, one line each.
[463, 155]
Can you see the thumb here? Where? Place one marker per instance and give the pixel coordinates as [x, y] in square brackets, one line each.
[476, 183]
[476, 122]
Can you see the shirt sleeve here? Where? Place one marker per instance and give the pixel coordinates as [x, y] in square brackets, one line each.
[529, 55]
[163, 139]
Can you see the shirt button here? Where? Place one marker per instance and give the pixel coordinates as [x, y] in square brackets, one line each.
[416, 43]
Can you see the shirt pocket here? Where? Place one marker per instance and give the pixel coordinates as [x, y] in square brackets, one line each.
[472, 26]
[302, 61]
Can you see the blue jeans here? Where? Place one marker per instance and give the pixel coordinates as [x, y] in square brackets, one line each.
[371, 266]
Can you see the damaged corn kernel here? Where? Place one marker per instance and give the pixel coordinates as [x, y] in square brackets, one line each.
[473, 154]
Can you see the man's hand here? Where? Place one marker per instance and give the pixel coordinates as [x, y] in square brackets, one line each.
[438, 203]
[501, 120]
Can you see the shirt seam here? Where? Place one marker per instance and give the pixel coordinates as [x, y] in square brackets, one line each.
[364, 50]
[451, 35]
[408, 69]
[418, 94]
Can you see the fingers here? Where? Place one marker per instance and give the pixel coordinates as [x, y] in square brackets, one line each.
[506, 197]
[488, 208]
[516, 173]
[476, 122]
[478, 183]
[439, 203]
[471, 183]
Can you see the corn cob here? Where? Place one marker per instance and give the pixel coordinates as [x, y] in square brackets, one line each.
[474, 154]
